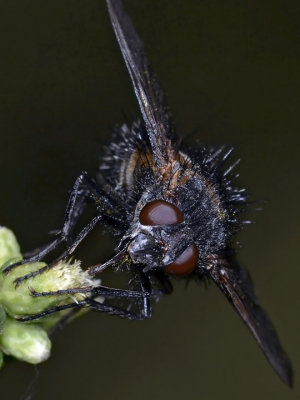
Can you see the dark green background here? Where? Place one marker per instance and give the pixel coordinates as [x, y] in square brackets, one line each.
[231, 72]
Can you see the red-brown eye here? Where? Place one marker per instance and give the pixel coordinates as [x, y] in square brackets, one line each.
[160, 212]
[185, 263]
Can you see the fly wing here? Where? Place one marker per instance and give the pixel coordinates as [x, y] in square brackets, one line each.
[147, 90]
[236, 284]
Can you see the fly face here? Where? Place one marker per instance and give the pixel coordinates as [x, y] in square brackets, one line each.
[161, 235]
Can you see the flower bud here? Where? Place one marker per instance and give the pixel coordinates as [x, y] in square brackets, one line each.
[18, 300]
[9, 247]
[29, 341]
[26, 342]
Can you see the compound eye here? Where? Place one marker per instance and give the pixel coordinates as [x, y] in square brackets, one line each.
[185, 263]
[160, 212]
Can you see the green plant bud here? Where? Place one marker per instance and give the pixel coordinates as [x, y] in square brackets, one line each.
[29, 341]
[19, 300]
[9, 247]
[26, 342]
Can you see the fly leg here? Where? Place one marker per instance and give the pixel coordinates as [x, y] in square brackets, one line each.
[78, 305]
[83, 189]
[104, 291]
[112, 310]
[70, 249]
[144, 295]
[146, 290]
[90, 302]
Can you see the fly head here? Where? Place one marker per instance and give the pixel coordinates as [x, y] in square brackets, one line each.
[162, 239]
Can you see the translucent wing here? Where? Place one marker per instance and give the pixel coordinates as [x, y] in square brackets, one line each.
[236, 284]
[147, 90]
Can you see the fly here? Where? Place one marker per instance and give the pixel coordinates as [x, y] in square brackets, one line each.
[173, 208]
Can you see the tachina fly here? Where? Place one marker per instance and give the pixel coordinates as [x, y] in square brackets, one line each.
[173, 208]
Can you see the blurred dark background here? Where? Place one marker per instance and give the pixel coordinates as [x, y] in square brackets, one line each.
[231, 73]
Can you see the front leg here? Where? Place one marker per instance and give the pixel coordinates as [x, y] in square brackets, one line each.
[83, 189]
[70, 249]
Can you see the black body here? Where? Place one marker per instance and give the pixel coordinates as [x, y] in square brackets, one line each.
[147, 161]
